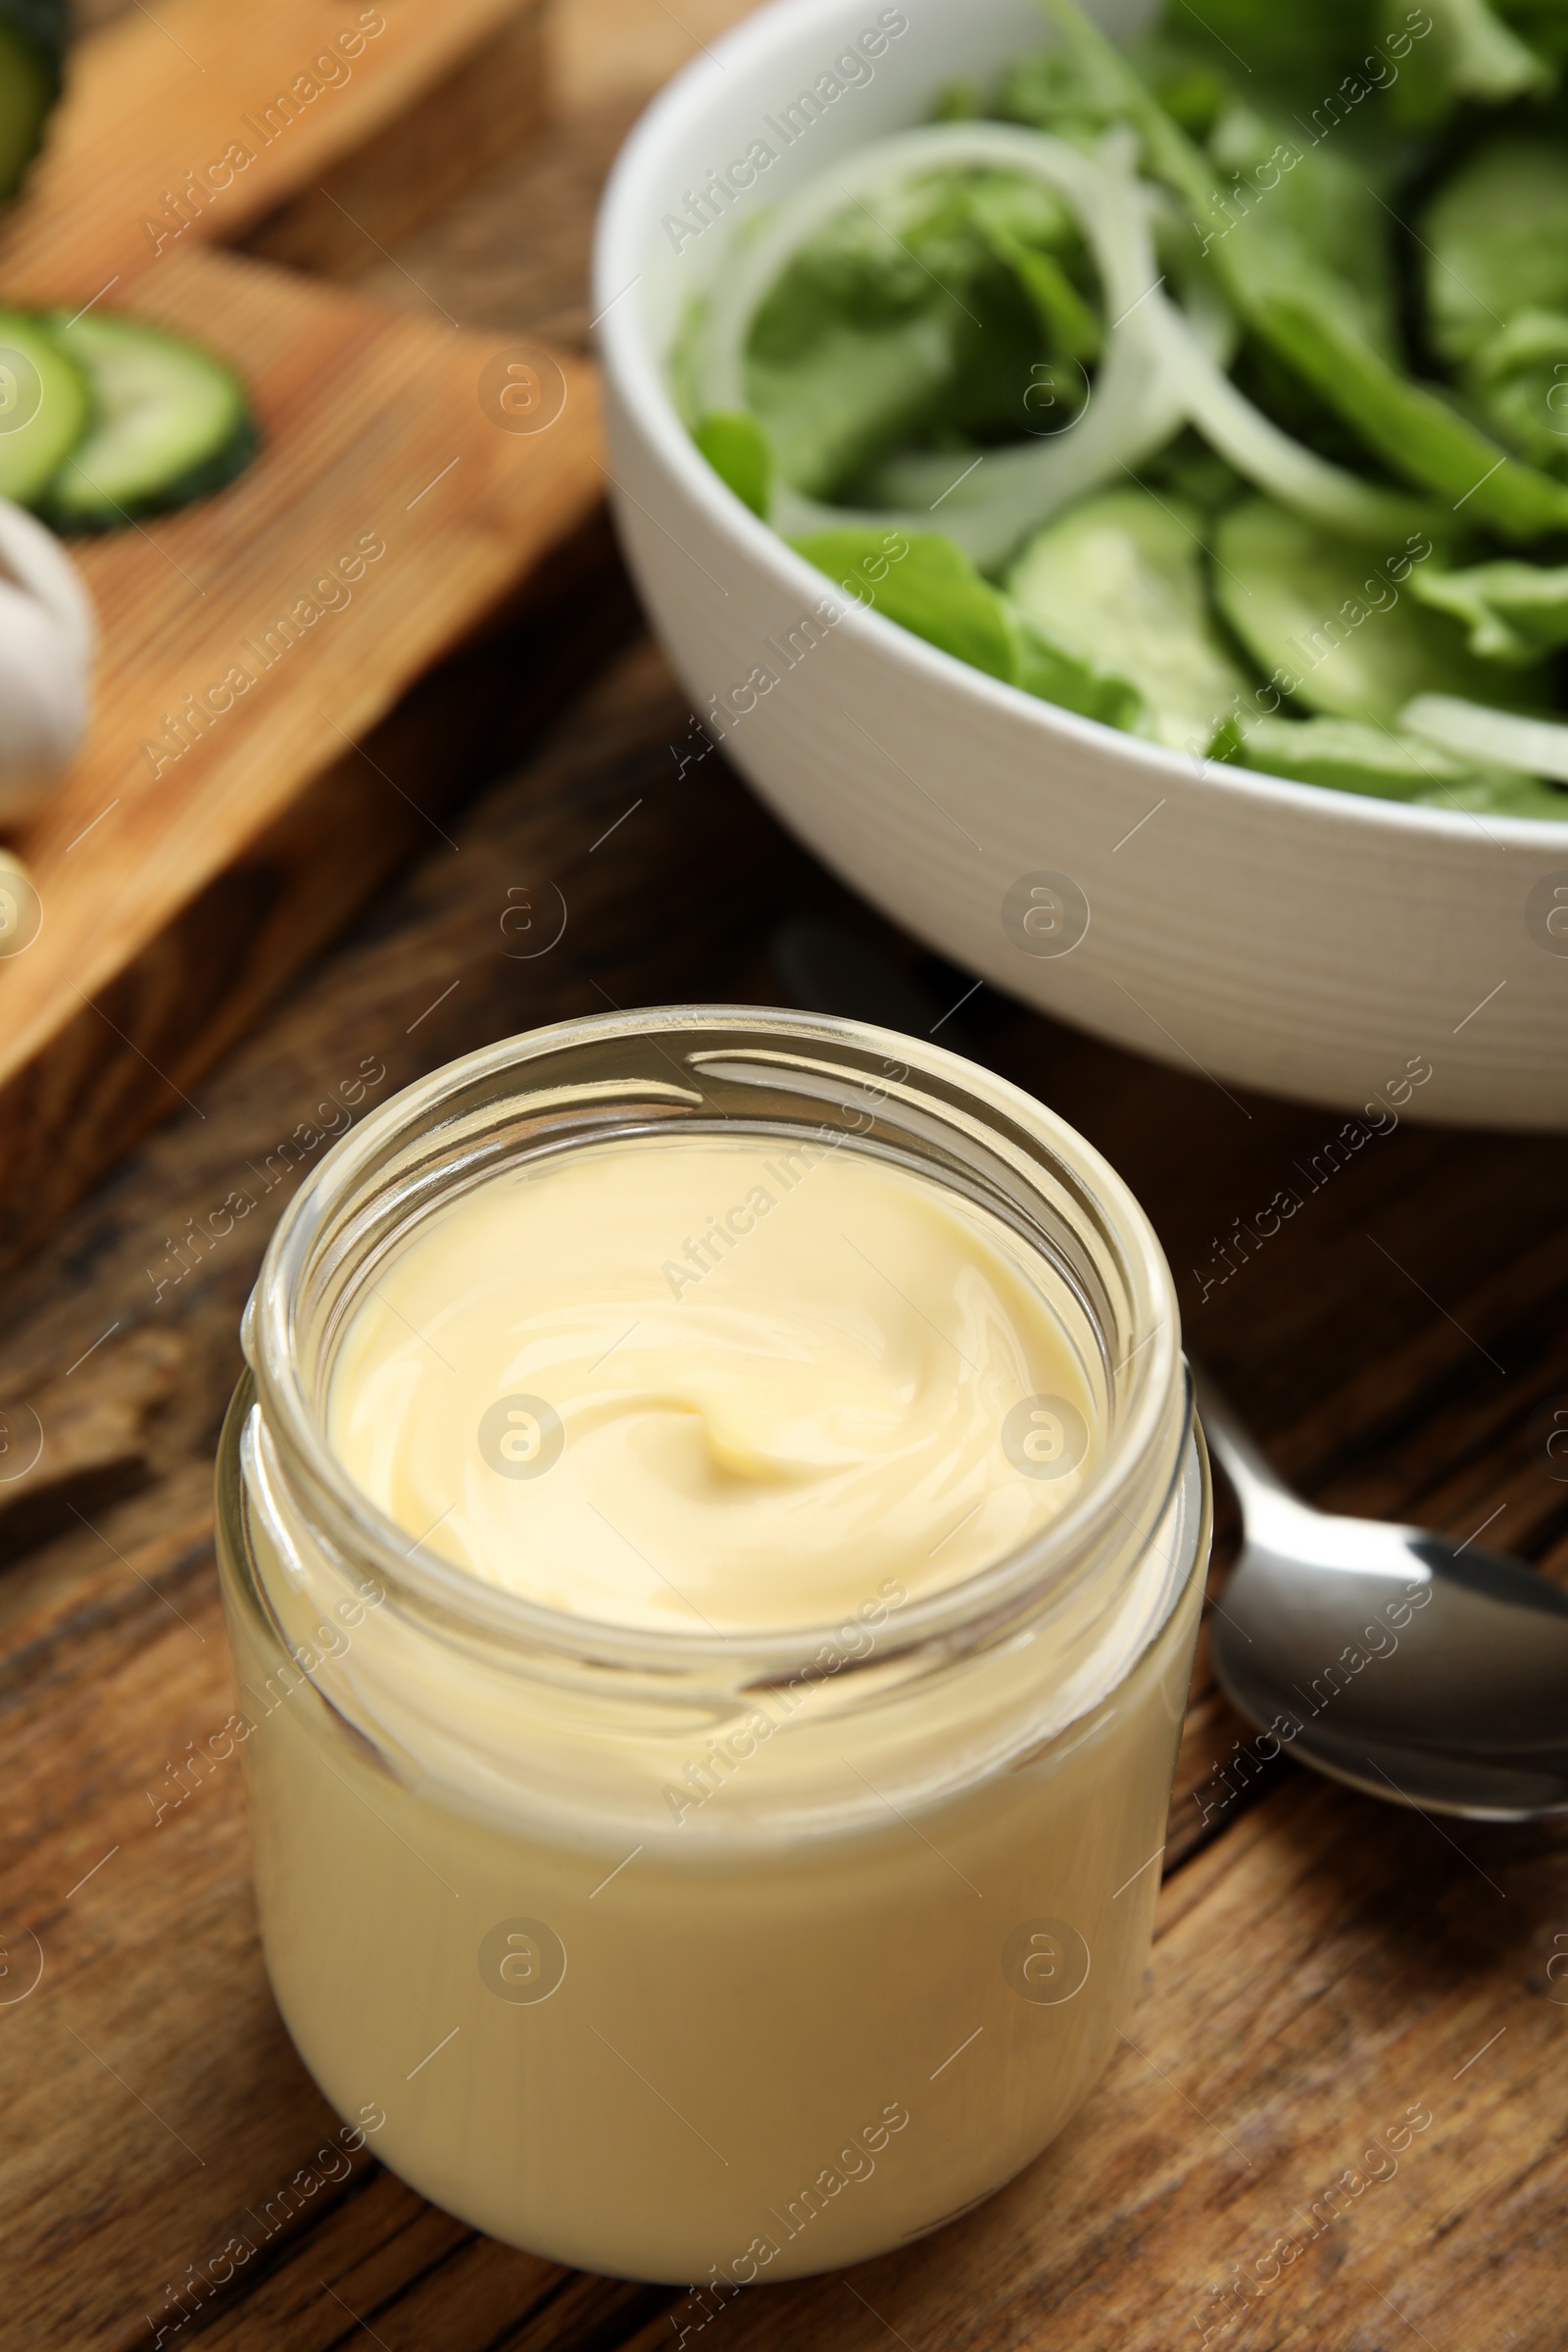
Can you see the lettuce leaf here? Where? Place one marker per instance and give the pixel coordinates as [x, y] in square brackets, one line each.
[930, 587]
[1302, 213]
[1495, 282]
[737, 449]
[1496, 242]
[1469, 53]
[1515, 612]
[1543, 24]
[916, 321]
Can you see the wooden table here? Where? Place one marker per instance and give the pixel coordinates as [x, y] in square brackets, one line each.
[1326, 1971]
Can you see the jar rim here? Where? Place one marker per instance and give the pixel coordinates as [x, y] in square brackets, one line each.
[1144, 1454]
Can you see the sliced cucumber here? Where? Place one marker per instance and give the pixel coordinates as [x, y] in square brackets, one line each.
[1118, 582]
[32, 46]
[170, 423]
[1335, 627]
[1350, 756]
[44, 406]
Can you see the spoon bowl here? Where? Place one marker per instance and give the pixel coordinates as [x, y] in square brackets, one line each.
[1417, 1668]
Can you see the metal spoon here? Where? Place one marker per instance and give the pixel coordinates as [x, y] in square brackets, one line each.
[1418, 1669]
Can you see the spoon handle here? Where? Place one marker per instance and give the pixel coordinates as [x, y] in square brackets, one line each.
[1258, 1487]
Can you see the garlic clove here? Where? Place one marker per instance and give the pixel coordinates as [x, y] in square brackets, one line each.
[20, 908]
[35, 560]
[43, 703]
[47, 637]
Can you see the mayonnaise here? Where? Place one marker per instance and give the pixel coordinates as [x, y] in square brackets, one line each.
[708, 1381]
[711, 1607]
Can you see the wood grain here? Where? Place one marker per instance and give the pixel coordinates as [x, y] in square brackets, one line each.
[1322, 1965]
[489, 105]
[375, 438]
[97, 1416]
[154, 101]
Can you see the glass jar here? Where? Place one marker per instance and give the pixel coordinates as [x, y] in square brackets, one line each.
[689, 1956]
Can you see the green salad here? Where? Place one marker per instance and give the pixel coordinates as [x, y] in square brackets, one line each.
[1215, 388]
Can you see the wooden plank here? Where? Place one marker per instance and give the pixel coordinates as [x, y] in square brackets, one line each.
[1323, 1963]
[271, 96]
[1255, 2167]
[490, 104]
[97, 1445]
[271, 589]
[605, 57]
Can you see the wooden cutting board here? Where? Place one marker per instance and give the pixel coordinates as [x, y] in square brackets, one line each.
[273, 94]
[251, 642]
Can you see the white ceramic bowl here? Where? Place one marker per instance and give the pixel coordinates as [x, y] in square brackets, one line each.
[1312, 942]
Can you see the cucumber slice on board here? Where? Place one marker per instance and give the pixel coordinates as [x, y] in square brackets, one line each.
[32, 45]
[170, 423]
[44, 406]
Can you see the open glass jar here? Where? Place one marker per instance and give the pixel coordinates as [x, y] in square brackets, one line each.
[819, 2015]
